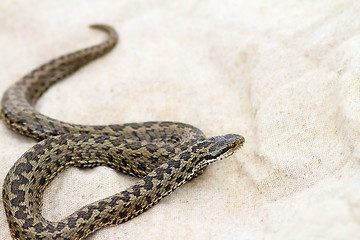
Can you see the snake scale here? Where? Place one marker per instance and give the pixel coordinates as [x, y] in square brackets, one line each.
[164, 155]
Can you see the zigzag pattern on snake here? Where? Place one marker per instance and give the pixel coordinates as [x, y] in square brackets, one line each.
[164, 154]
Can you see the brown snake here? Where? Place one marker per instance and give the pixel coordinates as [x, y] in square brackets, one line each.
[164, 154]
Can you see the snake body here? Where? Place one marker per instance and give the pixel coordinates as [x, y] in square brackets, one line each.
[164, 154]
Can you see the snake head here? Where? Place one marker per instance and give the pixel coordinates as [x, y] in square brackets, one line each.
[214, 149]
[222, 146]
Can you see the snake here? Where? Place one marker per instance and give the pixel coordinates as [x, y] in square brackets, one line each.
[162, 154]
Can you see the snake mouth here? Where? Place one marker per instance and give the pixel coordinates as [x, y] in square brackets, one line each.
[237, 143]
[235, 146]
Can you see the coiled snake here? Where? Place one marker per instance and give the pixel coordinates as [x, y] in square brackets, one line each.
[164, 154]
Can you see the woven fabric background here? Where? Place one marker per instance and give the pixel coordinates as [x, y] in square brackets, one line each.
[285, 74]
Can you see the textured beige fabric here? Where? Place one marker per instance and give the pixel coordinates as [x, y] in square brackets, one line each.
[285, 74]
